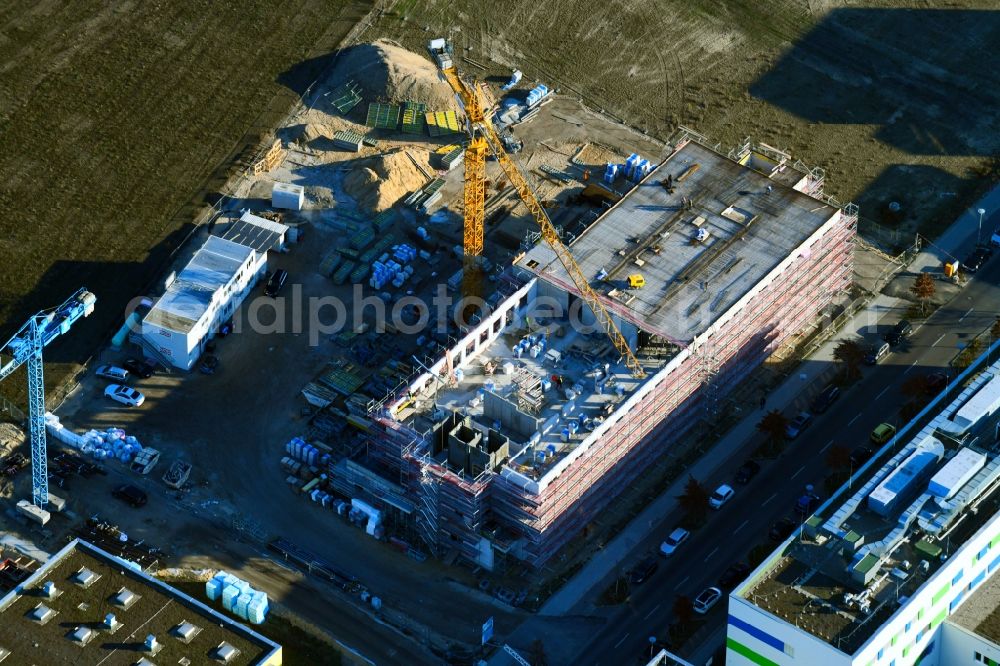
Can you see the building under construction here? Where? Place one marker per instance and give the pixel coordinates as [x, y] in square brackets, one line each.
[522, 432]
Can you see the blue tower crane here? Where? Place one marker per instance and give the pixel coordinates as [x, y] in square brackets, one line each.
[26, 348]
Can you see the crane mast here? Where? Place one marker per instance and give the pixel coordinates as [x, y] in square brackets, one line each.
[482, 137]
[25, 348]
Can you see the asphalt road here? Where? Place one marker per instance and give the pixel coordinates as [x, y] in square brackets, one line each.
[732, 532]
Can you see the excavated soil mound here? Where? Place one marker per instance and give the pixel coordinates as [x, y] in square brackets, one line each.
[386, 72]
[378, 183]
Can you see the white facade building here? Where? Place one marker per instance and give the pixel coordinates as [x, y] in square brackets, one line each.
[916, 586]
[204, 294]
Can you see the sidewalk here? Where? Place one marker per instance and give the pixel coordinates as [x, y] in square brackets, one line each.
[957, 240]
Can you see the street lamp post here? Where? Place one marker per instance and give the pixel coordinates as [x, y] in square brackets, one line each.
[979, 234]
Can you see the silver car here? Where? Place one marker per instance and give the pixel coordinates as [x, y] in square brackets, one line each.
[112, 372]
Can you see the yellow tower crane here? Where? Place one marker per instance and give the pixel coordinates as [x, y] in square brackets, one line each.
[482, 137]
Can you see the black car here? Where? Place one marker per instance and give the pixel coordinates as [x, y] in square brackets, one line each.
[861, 455]
[144, 368]
[877, 352]
[825, 399]
[899, 332]
[976, 259]
[733, 576]
[275, 282]
[782, 529]
[131, 495]
[936, 382]
[209, 364]
[747, 471]
[645, 568]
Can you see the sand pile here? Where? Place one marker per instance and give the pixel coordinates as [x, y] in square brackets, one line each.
[312, 131]
[379, 182]
[386, 72]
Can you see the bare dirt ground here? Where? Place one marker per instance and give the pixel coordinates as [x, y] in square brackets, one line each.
[896, 102]
[114, 117]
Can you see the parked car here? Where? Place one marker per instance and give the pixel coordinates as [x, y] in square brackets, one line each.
[673, 541]
[882, 433]
[131, 495]
[645, 568]
[782, 529]
[861, 455]
[143, 368]
[721, 495]
[798, 424]
[112, 372]
[708, 598]
[823, 401]
[209, 364]
[275, 282]
[899, 332]
[806, 503]
[936, 382]
[747, 471]
[877, 352]
[125, 395]
[975, 260]
[733, 576]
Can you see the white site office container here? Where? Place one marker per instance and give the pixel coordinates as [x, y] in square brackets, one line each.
[286, 195]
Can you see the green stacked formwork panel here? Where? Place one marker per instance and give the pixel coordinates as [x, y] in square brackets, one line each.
[413, 117]
[330, 263]
[345, 270]
[345, 97]
[383, 116]
[440, 123]
[384, 220]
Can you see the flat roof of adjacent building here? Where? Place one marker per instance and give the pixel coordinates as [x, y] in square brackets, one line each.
[189, 295]
[980, 613]
[78, 612]
[253, 231]
[914, 524]
[754, 222]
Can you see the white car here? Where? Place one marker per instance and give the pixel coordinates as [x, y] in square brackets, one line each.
[708, 598]
[676, 538]
[721, 495]
[112, 372]
[126, 395]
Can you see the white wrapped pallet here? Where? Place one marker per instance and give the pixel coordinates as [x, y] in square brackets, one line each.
[229, 595]
[213, 588]
[240, 607]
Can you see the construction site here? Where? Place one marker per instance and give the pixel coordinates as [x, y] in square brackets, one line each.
[511, 437]
[626, 288]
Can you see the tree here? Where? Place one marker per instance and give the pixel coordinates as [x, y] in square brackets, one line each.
[537, 653]
[694, 501]
[775, 426]
[839, 457]
[923, 288]
[850, 353]
[684, 609]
